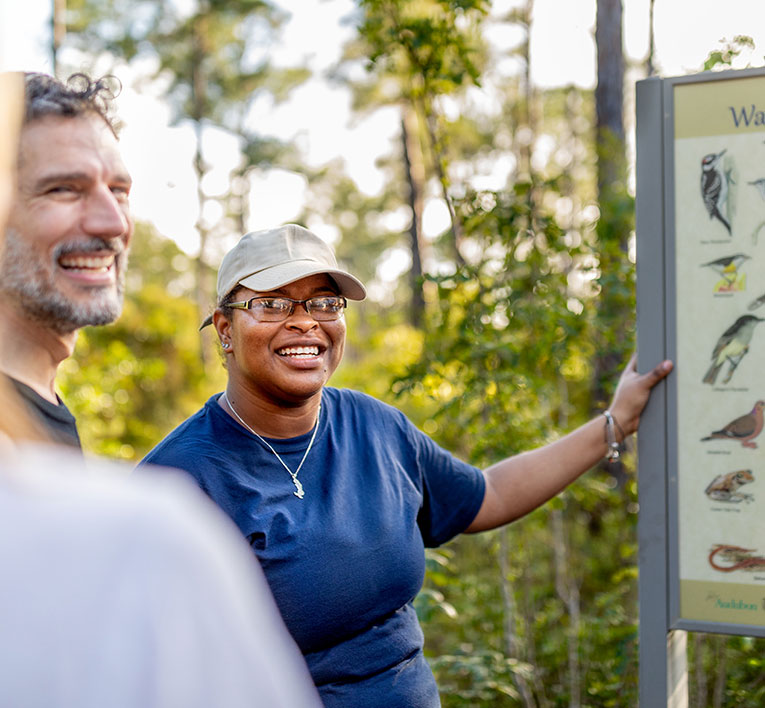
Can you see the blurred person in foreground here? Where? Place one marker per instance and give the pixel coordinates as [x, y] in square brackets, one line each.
[63, 263]
[338, 493]
[118, 590]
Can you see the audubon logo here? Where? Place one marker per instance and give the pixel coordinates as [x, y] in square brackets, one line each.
[733, 604]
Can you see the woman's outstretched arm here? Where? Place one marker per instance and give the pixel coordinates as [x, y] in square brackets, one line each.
[519, 484]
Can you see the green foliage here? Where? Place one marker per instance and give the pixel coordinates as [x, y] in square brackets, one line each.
[719, 59]
[501, 331]
[358, 217]
[506, 362]
[208, 59]
[506, 358]
[432, 42]
[726, 671]
[205, 54]
[131, 382]
[615, 335]
[477, 678]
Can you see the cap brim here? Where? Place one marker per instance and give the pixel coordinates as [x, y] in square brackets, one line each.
[285, 273]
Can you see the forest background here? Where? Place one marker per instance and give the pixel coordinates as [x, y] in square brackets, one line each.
[495, 330]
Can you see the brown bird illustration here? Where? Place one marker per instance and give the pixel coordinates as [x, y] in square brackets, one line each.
[744, 428]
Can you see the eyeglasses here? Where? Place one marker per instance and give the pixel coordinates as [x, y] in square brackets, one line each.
[276, 309]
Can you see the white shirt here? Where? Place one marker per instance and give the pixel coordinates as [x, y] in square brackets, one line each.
[132, 592]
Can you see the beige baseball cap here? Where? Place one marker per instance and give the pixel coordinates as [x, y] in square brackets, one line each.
[266, 260]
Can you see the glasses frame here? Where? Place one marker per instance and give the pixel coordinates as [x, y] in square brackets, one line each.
[247, 305]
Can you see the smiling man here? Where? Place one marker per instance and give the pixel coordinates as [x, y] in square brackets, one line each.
[63, 263]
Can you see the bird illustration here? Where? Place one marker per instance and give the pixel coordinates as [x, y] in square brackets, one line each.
[727, 267]
[754, 304]
[731, 347]
[744, 428]
[714, 187]
[760, 184]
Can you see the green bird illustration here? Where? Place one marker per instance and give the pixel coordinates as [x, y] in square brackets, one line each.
[732, 346]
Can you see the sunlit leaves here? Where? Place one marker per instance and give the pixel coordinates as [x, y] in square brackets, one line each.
[129, 383]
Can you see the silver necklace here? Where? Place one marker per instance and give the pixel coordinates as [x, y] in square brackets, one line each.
[299, 493]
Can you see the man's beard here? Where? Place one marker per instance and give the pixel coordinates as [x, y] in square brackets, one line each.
[31, 283]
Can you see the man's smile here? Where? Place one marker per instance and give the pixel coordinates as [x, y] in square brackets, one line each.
[99, 264]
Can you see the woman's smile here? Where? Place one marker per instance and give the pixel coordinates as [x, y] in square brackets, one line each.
[291, 359]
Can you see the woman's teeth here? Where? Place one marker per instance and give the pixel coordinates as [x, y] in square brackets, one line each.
[299, 351]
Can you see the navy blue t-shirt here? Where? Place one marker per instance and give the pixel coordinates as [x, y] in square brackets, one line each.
[345, 562]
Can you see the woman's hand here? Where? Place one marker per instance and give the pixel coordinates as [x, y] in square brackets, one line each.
[633, 391]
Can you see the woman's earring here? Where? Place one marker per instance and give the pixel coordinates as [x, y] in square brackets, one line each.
[225, 345]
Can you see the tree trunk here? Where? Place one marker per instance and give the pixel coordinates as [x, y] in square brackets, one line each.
[415, 177]
[526, 134]
[700, 688]
[609, 93]
[439, 162]
[650, 69]
[205, 298]
[568, 592]
[529, 117]
[58, 31]
[615, 307]
[512, 645]
[199, 88]
[721, 673]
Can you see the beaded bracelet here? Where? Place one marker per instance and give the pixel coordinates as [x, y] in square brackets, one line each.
[614, 446]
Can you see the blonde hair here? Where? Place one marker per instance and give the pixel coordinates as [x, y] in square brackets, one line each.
[15, 421]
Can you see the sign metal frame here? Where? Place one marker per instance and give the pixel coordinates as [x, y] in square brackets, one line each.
[662, 626]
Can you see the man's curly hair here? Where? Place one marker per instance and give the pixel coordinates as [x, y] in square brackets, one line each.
[80, 95]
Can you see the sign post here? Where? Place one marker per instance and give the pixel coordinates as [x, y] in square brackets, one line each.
[701, 300]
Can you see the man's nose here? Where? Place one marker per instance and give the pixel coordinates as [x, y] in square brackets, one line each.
[105, 215]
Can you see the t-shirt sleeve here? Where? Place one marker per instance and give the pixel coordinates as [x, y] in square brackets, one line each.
[452, 491]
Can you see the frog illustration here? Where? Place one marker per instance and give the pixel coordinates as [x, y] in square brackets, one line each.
[725, 487]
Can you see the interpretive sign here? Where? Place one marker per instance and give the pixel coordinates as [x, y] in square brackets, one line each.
[719, 185]
[701, 302]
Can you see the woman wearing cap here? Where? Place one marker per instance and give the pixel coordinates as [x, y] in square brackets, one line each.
[338, 493]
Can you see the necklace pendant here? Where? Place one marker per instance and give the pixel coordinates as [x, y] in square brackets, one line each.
[299, 493]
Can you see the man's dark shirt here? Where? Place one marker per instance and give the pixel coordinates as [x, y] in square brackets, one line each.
[57, 419]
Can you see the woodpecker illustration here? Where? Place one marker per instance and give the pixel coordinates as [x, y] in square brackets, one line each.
[714, 187]
[732, 346]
